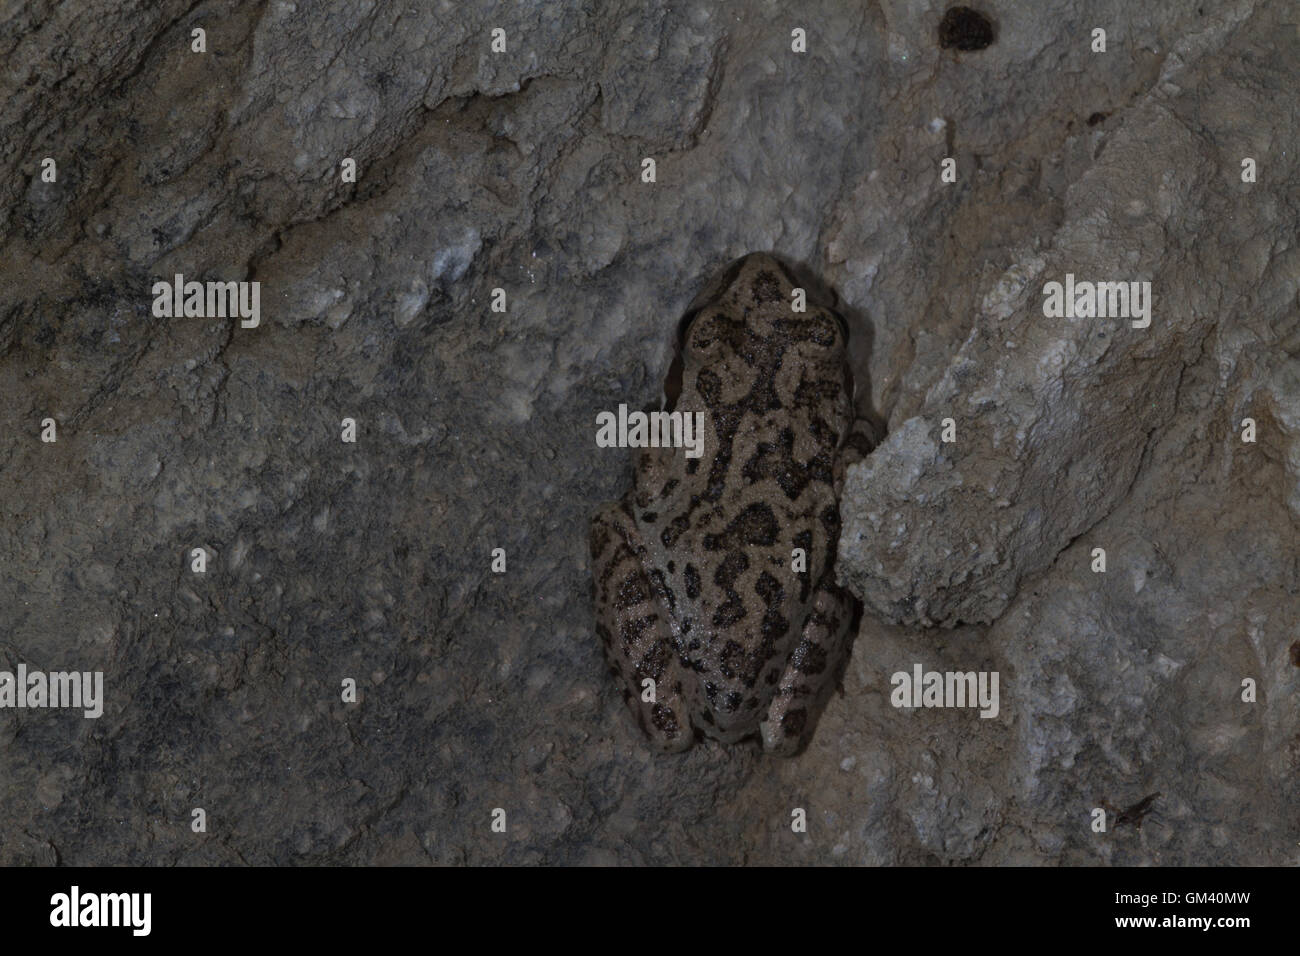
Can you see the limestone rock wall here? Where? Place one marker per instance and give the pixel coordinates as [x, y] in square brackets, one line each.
[521, 170]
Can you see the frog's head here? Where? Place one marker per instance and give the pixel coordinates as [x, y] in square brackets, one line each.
[743, 330]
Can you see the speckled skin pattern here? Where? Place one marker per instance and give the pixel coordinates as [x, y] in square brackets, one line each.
[697, 576]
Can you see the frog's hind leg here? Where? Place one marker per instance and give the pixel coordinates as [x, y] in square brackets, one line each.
[635, 633]
[812, 672]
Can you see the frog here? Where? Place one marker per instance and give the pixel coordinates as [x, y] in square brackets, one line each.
[713, 578]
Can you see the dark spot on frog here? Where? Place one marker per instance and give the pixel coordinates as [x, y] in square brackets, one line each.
[702, 340]
[770, 590]
[826, 435]
[776, 461]
[735, 664]
[732, 702]
[732, 609]
[813, 393]
[966, 29]
[649, 517]
[756, 524]
[831, 521]
[665, 720]
[1096, 118]
[730, 612]
[730, 660]
[634, 590]
[631, 630]
[652, 665]
[674, 530]
[725, 423]
[1295, 654]
[709, 386]
[774, 627]
[767, 287]
[794, 722]
[751, 704]
[818, 330]
[664, 591]
[691, 577]
[810, 659]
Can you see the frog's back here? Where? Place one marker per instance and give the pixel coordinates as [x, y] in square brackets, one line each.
[736, 547]
[747, 594]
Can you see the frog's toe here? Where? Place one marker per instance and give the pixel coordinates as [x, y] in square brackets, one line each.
[666, 717]
[783, 735]
[669, 729]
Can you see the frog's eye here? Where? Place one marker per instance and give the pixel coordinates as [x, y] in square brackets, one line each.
[673, 381]
[842, 324]
[684, 326]
[700, 332]
[827, 329]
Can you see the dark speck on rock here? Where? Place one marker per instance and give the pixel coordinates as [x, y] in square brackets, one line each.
[963, 28]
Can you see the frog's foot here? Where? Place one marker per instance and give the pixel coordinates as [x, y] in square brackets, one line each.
[635, 633]
[811, 674]
[864, 435]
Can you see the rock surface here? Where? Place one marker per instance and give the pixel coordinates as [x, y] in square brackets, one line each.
[522, 170]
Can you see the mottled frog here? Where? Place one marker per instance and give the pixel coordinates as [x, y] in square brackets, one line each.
[714, 576]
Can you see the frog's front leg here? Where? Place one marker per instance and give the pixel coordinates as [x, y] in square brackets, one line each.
[812, 671]
[864, 435]
[634, 629]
